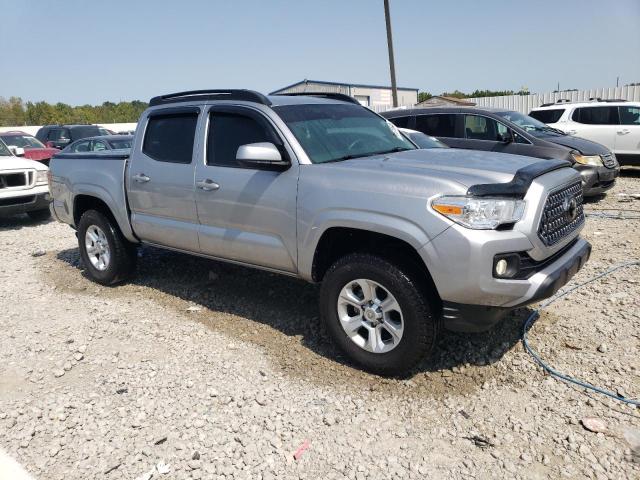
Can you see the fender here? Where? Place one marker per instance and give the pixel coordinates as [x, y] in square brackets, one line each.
[393, 226]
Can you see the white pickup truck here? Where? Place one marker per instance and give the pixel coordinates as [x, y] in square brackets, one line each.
[23, 186]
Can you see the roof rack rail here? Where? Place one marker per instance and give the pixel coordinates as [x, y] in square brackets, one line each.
[191, 95]
[333, 96]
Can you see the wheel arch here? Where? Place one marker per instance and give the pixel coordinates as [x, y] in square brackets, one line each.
[92, 201]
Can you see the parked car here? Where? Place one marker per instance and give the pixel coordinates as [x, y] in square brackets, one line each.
[24, 145]
[421, 140]
[24, 186]
[613, 123]
[97, 144]
[512, 132]
[59, 136]
[403, 240]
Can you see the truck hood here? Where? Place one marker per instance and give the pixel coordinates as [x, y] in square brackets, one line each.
[582, 145]
[13, 163]
[466, 167]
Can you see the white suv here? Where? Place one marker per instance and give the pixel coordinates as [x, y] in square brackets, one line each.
[613, 123]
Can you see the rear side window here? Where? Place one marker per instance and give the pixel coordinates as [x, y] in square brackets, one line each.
[547, 116]
[596, 115]
[59, 134]
[169, 138]
[227, 132]
[400, 122]
[630, 115]
[81, 147]
[440, 125]
[477, 127]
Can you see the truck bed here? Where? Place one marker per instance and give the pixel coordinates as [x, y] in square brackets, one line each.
[100, 175]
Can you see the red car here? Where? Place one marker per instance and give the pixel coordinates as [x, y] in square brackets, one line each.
[24, 145]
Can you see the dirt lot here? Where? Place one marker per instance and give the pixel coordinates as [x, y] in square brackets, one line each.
[214, 371]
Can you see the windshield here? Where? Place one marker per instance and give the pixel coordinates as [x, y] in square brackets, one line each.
[23, 141]
[124, 143]
[422, 140]
[530, 124]
[335, 132]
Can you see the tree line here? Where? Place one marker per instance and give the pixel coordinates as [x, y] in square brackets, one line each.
[15, 112]
[422, 96]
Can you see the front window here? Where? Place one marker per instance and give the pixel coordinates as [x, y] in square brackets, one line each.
[630, 115]
[4, 151]
[22, 141]
[530, 124]
[334, 132]
[551, 115]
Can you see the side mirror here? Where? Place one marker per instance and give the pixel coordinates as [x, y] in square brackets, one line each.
[263, 155]
[507, 137]
[17, 151]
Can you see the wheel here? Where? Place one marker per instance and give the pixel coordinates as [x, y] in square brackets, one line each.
[378, 313]
[39, 215]
[108, 257]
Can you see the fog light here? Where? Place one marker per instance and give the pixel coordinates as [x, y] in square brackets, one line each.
[501, 267]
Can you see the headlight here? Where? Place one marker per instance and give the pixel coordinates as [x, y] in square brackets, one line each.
[479, 213]
[593, 160]
[41, 177]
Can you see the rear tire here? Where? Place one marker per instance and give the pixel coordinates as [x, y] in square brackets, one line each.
[107, 256]
[39, 215]
[362, 294]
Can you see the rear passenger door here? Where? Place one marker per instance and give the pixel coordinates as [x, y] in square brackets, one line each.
[246, 214]
[160, 179]
[628, 132]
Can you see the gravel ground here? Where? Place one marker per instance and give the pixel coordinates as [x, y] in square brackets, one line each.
[198, 369]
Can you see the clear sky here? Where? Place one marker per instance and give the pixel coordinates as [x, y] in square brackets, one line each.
[89, 51]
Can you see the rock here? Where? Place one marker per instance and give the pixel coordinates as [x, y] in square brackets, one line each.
[38, 253]
[261, 399]
[593, 424]
[58, 372]
[195, 456]
[78, 356]
[603, 348]
[146, 476]
[193, 308]
[163, 468]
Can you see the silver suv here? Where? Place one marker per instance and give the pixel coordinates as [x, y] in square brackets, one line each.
[403, 240]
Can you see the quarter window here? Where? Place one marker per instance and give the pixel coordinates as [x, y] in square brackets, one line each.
[547, 116]
[169, 137]
[227, 132]
[596, 115]
[630, 115]
[440, 125]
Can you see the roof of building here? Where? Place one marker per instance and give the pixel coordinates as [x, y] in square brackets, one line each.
[339, 84]
[457, 101]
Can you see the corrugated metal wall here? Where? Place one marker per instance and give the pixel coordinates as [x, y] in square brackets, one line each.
[524, 103]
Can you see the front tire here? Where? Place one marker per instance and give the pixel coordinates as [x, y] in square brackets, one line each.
[378, 313]
[108, 257]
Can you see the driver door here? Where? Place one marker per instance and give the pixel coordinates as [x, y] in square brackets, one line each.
[245, 214]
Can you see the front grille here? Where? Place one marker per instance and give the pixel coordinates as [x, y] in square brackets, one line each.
[562, 214]
[11, 180]
[608, 160]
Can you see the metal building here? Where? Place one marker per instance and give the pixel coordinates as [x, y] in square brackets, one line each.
[373, 96]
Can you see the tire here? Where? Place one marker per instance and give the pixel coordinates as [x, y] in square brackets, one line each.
[419, 320]
[112, 258]
[39, 215]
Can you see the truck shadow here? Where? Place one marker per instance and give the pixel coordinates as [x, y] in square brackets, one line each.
[257, 305]
[16, 222]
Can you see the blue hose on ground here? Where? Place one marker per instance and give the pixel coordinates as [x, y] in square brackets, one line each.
[536, 313]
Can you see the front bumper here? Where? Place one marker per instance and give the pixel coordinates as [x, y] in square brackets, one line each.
[597, 180]
[25, 202]
[543, 284]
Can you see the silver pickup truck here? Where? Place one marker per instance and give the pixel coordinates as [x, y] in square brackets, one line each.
[404, 241]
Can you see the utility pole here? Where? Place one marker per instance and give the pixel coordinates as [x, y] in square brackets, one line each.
[392, 67]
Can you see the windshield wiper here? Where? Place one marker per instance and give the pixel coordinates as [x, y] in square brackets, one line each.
[370, 154]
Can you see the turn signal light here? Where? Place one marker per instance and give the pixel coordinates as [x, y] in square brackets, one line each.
[447, 209]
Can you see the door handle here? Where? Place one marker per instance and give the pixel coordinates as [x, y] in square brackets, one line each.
[141, 178]
[207, 185]
[623, 132]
